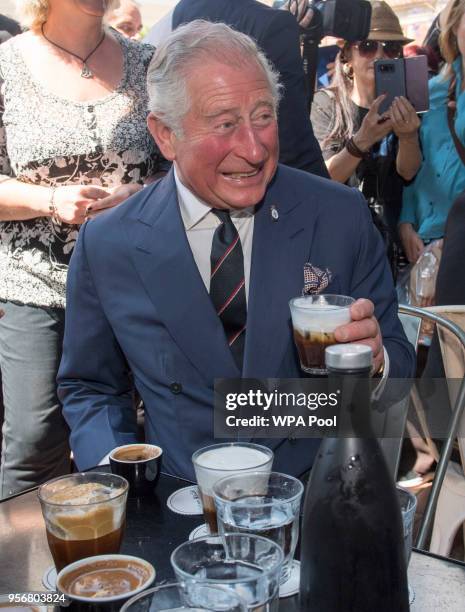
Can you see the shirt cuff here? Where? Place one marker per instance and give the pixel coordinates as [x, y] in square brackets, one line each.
[378, 390]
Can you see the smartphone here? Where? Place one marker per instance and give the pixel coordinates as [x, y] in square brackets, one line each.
[406, 77]
[326, 55]
[389, 80]
[416, 82]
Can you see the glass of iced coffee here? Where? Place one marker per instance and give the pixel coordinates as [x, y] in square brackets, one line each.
[212, 463]
[84, 515]
[314, 319]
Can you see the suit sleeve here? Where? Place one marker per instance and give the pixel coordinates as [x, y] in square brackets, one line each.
[298, 145]
[94, 385]
[372, 279]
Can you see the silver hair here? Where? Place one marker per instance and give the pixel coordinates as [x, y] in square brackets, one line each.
[192, 44]
[33, 13]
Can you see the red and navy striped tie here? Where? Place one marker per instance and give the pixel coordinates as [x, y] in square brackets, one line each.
[227, 283]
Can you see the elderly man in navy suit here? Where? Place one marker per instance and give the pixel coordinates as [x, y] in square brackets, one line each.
[189, 280]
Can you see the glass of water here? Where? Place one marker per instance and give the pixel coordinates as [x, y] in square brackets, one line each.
[176, 597]
[267, 505]
[408, 505]
[248, 565]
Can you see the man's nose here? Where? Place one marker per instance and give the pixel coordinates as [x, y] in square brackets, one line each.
[249, 145]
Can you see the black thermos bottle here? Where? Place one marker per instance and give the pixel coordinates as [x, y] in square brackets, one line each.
[352, 546]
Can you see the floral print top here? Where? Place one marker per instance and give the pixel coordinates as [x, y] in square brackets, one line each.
[51, 141]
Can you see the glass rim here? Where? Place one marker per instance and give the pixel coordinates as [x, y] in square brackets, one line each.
[264, 474]
[221, 539]
[331, 307]
[170, 585]
[259, 447]
[124, 483]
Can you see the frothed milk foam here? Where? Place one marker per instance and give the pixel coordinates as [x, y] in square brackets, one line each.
[229, 459]
[318, 316]
[71, 520]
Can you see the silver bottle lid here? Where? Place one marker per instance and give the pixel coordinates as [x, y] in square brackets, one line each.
[348, 356]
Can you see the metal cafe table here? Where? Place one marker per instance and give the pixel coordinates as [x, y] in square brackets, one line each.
[153, 531]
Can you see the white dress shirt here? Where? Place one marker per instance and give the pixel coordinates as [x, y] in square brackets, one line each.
[200, 224]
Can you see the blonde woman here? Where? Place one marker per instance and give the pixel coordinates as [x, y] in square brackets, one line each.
[361, 147]
[73, 142]
[441, 178]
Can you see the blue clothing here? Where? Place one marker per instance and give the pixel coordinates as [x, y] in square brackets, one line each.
[135, 298]
[441, 178]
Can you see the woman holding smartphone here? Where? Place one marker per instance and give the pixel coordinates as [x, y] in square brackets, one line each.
[361, 147]
[428, 200]
[73, 142]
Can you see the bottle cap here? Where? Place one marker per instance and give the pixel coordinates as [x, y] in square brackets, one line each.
[348, 357]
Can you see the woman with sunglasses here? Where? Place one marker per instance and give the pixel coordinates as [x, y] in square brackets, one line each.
[360, 146]
[441, 178]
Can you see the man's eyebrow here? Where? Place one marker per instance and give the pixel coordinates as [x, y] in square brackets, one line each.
[236, 110]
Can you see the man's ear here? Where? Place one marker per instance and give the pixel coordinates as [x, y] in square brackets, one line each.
[163, 136]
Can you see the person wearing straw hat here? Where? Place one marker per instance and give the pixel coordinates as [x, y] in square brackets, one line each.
[361, 147]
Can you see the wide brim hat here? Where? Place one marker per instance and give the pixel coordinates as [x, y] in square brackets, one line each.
[385, 24]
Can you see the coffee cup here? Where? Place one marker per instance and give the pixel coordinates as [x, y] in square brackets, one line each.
[105, 581]
[140, 464]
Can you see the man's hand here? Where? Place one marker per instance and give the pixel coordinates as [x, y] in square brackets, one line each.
[363, 329]
[301, 11]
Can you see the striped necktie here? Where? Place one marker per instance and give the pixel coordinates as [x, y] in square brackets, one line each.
[227, 284]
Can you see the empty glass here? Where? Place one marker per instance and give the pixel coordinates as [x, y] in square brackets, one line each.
[261, 504]
[249, 565]
[177, 597]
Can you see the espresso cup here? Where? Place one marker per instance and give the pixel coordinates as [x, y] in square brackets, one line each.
[104, 582]
[140, 464]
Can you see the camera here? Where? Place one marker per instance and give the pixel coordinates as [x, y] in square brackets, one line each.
[347, 19]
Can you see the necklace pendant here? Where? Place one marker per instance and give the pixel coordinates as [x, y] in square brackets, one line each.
[86, 72]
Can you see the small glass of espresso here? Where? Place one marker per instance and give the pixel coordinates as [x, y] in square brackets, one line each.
[212, 463]
[314, 319]
[84, 515]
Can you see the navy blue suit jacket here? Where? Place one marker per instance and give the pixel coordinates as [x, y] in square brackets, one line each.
[136, 301]
[276, 32]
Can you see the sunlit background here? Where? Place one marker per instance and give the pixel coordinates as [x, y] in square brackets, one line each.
[415, 15]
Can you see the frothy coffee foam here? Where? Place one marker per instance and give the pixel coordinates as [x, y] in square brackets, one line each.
[318, 316]
[108, 578]
[71, 522]
[229, 459]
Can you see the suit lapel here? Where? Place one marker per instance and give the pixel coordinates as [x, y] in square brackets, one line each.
[280, 248]
[164, 261]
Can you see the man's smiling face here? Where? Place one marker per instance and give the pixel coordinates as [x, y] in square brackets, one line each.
[229, 149]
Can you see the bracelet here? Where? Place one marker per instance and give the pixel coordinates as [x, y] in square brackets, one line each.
[52, 208]
[355, 151]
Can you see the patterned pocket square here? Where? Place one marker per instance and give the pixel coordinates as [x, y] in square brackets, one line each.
[315, 280]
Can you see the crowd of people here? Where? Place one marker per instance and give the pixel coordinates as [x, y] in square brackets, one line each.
[199, 140]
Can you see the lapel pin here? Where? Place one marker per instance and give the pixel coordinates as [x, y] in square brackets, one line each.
[274, 212]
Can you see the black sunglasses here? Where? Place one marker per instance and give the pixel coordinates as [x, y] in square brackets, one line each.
[368, 48]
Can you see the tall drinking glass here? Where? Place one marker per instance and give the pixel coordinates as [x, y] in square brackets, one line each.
[314, 319]
[249, 565]
[262, 504]
[212, 463]
[176, 597]
[84, 515]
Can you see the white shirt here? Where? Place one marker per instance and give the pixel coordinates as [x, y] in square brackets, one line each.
[200, 224]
